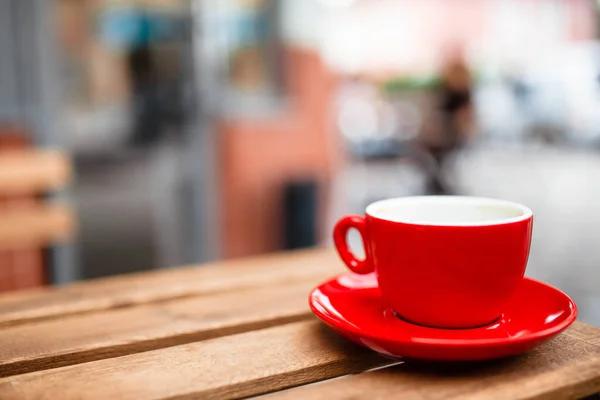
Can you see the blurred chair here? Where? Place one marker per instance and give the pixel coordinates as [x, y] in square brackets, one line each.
[28, 223]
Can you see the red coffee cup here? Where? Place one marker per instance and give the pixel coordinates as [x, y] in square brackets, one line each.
[442, 261]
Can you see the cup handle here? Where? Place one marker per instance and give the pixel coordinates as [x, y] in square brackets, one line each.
[339, 238]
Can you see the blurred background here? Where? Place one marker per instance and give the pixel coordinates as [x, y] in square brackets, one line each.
[146, 134]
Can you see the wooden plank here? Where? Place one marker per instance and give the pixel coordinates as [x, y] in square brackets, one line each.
[586, 333]
[33, 172]
[564, 368]
[229, 367]
[94, 336]
[135, 289]
[35, 225]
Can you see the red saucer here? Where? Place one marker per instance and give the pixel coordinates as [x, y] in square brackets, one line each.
[352, 305]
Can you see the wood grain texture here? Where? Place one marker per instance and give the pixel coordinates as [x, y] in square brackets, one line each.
[586, 333]
[564, 368]
[26, 172]
[35, 225]
[94, 336]
[135, 289]
[229, 367]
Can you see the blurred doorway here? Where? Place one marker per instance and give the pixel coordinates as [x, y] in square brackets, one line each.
[133, 124]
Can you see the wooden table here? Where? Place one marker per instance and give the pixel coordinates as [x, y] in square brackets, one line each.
[243, 328]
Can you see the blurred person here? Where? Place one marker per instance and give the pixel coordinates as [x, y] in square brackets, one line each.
[458, 122]
[144, 80]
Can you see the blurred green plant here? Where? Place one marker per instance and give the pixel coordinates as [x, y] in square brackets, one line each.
[403, 84]
[414, 83]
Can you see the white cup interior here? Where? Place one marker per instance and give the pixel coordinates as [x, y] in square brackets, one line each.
[449, 210]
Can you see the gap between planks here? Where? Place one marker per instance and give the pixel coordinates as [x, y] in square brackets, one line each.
[229, 367]
[567, 367]
[135, 289]
[94, 336]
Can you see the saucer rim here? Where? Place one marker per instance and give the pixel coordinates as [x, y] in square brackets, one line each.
[456, 343]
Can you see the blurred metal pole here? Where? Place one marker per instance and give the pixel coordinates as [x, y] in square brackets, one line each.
[274, 54]
[202, 150]
[9, 104]
[37, 75]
